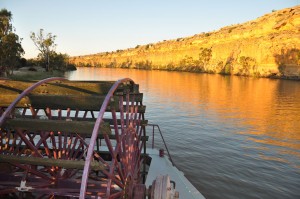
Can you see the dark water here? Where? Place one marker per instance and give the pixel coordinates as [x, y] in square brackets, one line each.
[233, 137]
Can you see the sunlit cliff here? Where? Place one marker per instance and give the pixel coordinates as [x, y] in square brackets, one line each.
[266, 46]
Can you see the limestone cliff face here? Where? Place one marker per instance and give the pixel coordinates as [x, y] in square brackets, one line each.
[269, 45]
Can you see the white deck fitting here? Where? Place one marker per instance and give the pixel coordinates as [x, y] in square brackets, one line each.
[163, 166]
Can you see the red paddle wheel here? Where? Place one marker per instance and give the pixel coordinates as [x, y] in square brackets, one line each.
[71, 139]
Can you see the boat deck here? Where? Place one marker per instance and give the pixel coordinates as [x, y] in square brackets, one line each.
[163, 166]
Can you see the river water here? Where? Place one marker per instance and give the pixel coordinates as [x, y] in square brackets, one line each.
[233, 137]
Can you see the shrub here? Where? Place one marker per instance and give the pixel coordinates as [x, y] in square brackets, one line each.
[33, 62]
[71, 67]
[147, 65]
[248, 65]
[23, 62]
[228, 69]
[204, 57]
[220, 67]
[32, 69]
[189, 64]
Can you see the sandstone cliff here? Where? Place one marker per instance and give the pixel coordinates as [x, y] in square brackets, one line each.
[267, 46]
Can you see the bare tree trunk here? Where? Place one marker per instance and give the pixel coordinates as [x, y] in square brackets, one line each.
[6, 72]
[46, 63]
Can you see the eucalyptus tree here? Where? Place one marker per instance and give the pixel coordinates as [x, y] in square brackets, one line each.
[10, 44]
[45, 44]
[5, 22]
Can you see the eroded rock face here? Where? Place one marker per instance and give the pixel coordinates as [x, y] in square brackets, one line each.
[267, 46]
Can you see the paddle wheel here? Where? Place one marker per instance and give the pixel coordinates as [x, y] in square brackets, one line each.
[64, 139]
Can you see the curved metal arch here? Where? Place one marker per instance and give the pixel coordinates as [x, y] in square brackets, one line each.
[95, 134]
[23, 94]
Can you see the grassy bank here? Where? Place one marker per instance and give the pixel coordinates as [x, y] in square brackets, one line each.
[37, 74]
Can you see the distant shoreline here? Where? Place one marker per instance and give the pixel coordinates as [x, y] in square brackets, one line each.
[293, 78]
[38, 72]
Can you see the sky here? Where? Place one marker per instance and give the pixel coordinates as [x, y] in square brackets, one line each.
[87, 27]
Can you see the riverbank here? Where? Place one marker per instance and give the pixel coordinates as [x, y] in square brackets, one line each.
[34, 73]
[181, 69]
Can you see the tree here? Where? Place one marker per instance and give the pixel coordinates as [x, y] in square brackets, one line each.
[5, 19]
[204, 57]
[11, 51]
[248, 65]
[59, 61]
[23, 62]
[45, 44]
[10, 44]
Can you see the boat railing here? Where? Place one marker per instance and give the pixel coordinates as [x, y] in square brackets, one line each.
[156, 126]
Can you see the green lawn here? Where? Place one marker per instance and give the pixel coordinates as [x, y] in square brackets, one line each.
[35, 75]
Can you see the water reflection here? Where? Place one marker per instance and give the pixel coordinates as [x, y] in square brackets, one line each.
[269, 107]
[217, 124]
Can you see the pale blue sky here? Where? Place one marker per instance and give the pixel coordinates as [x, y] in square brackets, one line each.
[91, 26]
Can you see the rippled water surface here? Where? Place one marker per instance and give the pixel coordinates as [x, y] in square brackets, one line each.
[233, 137]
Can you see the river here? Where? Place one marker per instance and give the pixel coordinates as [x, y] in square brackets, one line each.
[233, 137]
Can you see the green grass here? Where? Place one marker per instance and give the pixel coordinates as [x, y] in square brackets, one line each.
[36, 75]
